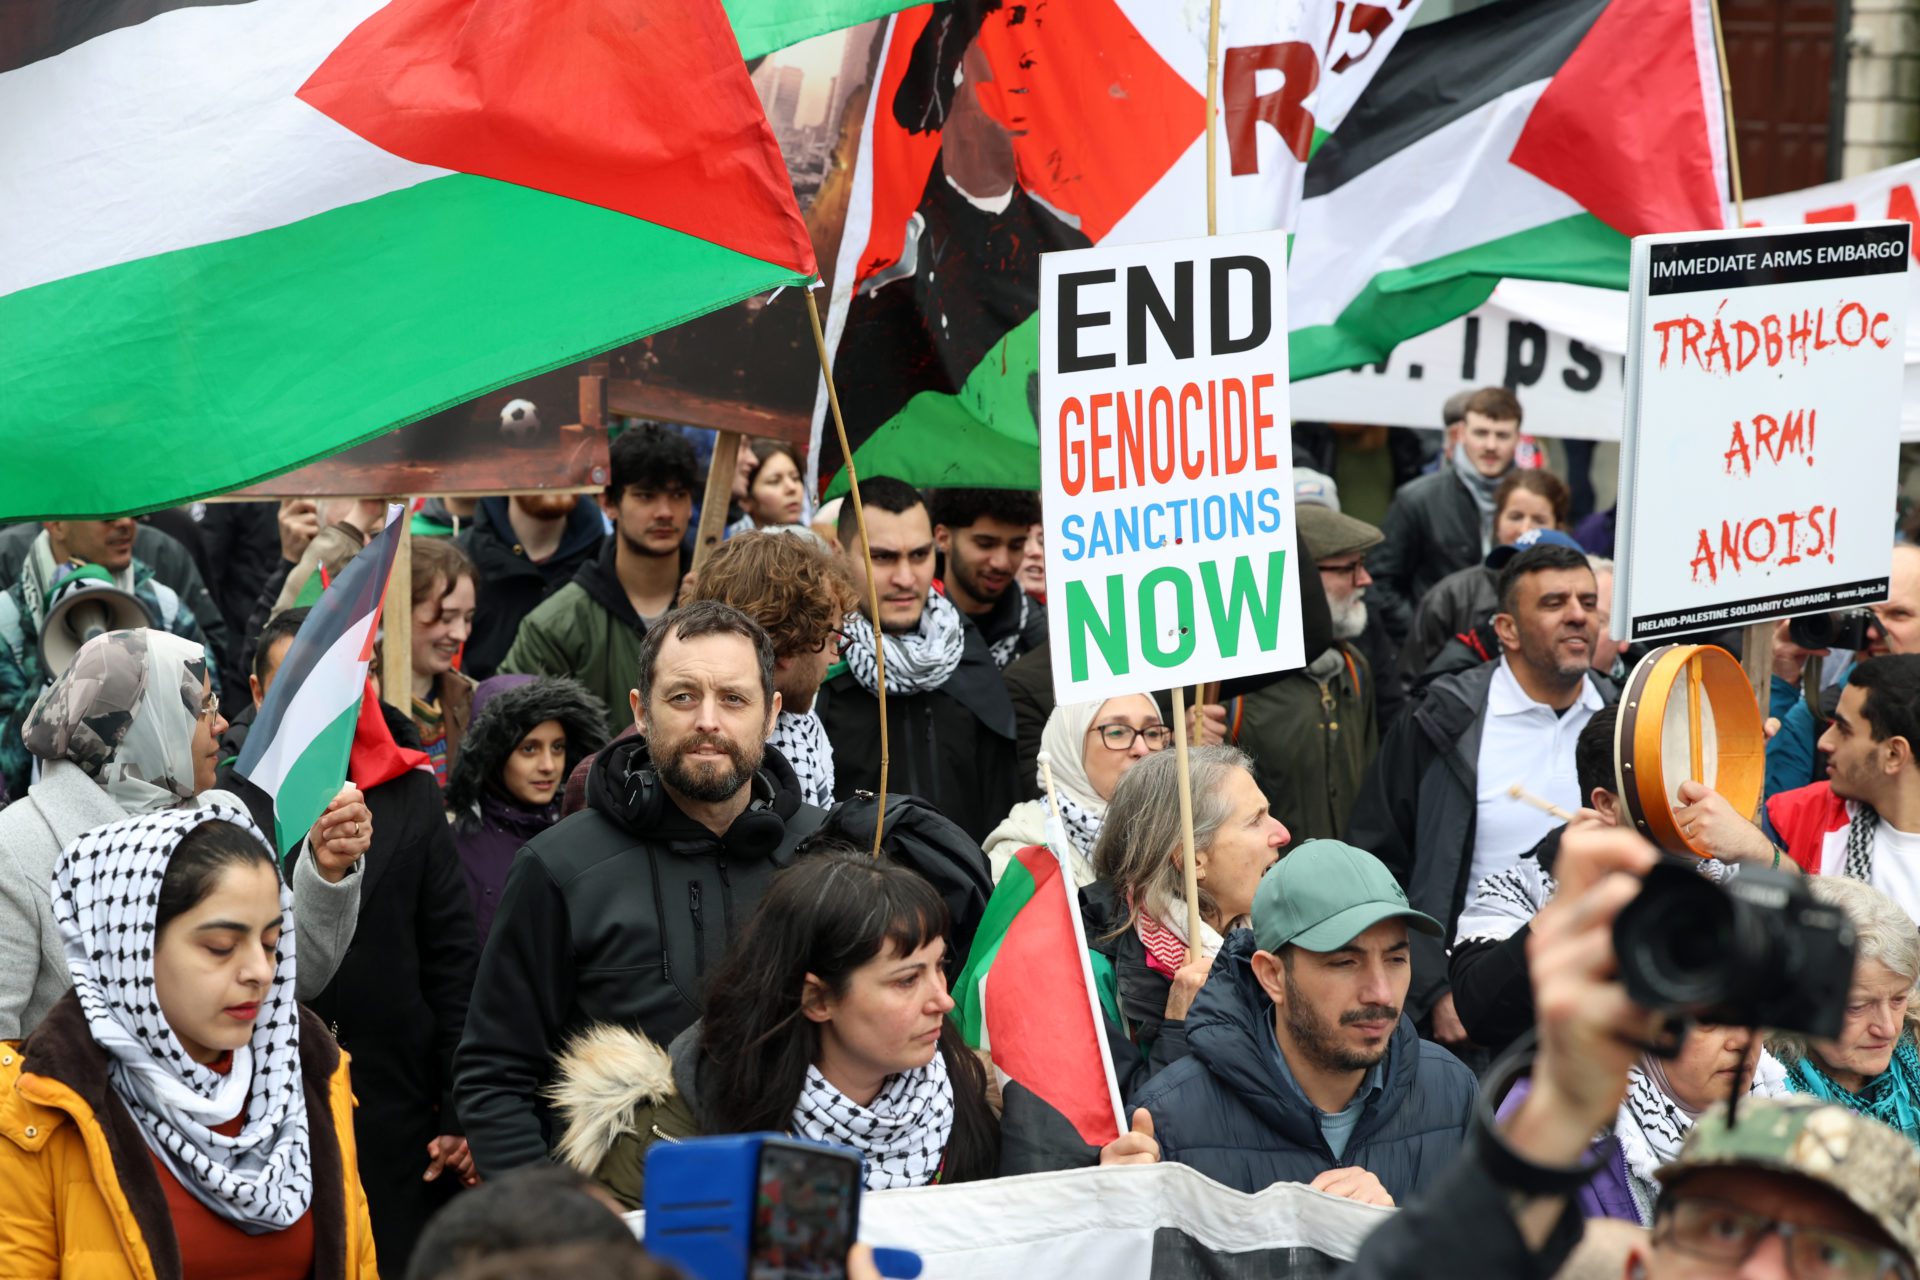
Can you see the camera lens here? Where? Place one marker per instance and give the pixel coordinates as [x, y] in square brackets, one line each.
[1676, 943]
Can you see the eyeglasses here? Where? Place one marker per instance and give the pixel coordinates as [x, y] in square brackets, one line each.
[1121, 737]
[1350, 571]
[211, 707]
[838, 640]
[1716, 1231]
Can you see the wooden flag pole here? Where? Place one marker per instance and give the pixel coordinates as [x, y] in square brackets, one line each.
[1187, 867]
[1213, 104]
[1726, 106]
[866, 557]
[718, 496]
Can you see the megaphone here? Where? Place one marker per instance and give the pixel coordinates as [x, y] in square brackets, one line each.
[86, 603]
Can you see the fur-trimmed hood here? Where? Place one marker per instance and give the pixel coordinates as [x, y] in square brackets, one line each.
[505, 710]
[603, 1076]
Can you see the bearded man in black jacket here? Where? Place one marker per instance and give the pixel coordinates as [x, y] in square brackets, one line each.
[615, 914]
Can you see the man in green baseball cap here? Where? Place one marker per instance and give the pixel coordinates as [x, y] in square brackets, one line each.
[1794, 1188]
[1301, 1066]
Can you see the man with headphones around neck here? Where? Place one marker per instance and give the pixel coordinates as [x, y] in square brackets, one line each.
[616, 913]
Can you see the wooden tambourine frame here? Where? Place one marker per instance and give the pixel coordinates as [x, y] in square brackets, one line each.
[1688, 712]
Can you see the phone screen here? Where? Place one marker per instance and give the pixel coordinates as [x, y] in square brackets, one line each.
[802, 1214]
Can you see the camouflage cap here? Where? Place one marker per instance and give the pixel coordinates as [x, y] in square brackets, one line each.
[1872, 1167]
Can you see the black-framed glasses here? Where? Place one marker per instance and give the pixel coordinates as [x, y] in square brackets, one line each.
[1121, 737]
[1724, 1233]
[1351, 570]
[838, 640]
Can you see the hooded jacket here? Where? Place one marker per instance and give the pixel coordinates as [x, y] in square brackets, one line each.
[614, 915]
[489, 826]
[1226, 1109]
[511, 584]
[80, 1196]
[588, 630]
[616, 1093]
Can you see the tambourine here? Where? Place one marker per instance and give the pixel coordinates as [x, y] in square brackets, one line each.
[1688, 712]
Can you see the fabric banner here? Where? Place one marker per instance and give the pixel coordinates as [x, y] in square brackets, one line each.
[1143, 1222]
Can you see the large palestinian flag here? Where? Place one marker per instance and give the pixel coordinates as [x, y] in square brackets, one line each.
[999, 131]
[242, 236]
[1528, 138]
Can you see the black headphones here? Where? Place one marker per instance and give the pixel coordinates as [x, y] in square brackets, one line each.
[755, 834]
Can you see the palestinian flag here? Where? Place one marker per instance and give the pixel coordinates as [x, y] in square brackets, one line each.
[1000, 131]
[1027, 999]
[1527, 138]
[297, 750]
[240, 237]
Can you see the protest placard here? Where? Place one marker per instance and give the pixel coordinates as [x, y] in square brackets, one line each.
[1759, 455]
[1166, 464]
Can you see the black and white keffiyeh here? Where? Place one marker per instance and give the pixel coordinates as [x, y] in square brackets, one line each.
[105, 888]
[918, 661]
[903, 1132]
[1007, 647]
[1652, 1124]
[1860, 830]
[802, 739]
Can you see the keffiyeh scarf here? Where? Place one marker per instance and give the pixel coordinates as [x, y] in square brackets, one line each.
[1860, 830]
[1007, 647]
[1165, 937]
[903, 1132]
[802, 739]
[1653, 1124]
[918, 661]
[104, 889]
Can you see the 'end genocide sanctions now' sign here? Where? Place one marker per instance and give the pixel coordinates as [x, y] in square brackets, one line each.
[1759, 459]
[1166, 463]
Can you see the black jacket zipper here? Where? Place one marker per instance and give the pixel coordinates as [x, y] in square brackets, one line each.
[699, 929]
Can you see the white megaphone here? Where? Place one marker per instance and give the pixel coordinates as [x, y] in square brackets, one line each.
[86, 603]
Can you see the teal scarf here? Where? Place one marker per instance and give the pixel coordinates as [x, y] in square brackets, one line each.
[1892, 1097]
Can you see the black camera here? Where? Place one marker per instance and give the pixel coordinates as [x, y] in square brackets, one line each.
[1758, 951]
[1844, 629]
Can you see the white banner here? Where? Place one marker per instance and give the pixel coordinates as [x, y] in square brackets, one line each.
[1166, 464]
[1141, 1222]
[1762, 433]
[1560, 347]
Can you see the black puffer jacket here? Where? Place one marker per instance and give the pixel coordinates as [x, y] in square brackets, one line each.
[614, 915]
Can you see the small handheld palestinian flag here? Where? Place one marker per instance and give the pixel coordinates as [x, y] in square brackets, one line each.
[297, 751]
[1026, 996]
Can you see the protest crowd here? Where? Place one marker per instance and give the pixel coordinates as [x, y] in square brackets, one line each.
[417, 886]
[607, 884]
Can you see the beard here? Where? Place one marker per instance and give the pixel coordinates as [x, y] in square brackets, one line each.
[1349, 615]
[705, 784]
[1544, 658]
[639, 548]
[1319, 1039]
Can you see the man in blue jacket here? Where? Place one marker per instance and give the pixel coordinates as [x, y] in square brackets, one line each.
[1301, 1066]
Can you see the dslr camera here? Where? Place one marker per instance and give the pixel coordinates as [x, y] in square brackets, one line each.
[1757, 951]
[1844, 629]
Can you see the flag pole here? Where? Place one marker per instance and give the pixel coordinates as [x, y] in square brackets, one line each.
[1726, 106]
[718, 496]
[1213, 102]
[396, 641]
[1120, 1124]
[866, 557]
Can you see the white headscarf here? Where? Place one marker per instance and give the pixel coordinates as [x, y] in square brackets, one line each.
[104, 890]
[1064, 740]
[125, 711]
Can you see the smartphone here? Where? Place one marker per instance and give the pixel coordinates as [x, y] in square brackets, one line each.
[806, 1204]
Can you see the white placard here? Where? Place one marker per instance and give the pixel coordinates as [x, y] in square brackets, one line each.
[1166, 464]
[1759, 458]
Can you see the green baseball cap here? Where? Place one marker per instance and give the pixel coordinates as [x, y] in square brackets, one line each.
[1326, 893]
[1872, 1167]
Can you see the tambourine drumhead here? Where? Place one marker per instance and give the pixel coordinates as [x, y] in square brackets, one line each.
[1656, 746]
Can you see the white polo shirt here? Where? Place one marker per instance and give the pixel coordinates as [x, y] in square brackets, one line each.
[1529, 743]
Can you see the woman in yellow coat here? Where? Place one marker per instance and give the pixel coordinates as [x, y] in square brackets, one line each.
[177, 1116]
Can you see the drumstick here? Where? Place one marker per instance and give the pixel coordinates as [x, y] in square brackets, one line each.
[1524, 796]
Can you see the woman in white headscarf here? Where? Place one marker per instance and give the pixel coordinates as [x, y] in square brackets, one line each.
[131, 727]
[1091, 745]
[177, 1112]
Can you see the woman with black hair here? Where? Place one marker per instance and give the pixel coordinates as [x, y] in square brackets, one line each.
[827, 1020]
[177, 1113]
